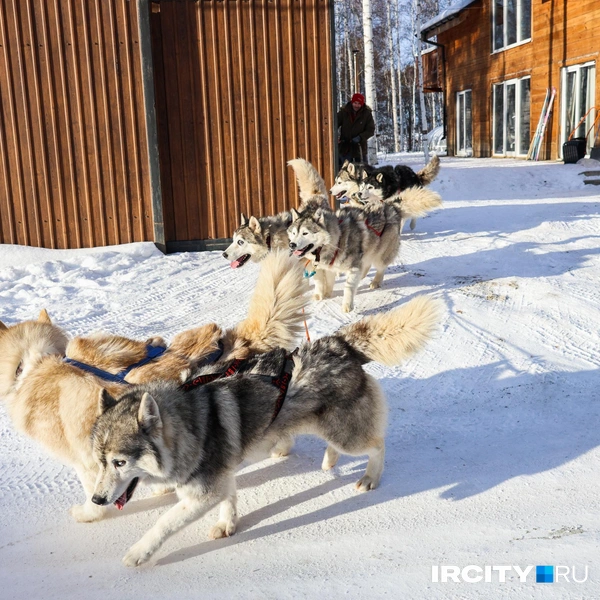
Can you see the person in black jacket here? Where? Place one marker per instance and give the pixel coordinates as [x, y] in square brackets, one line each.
[356, 125]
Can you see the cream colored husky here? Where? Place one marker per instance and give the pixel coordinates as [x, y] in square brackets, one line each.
[57, 403]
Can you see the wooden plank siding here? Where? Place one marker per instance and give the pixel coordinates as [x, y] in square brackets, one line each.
[73, 153]
[564, 33]
[241, 88]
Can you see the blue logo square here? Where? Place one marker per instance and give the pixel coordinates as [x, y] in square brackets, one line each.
[544, 574]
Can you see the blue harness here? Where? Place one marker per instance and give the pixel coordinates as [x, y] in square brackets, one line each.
[152, 352]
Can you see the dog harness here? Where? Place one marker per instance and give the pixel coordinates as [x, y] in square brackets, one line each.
[281, 381]
[377, 233]
[152, 352]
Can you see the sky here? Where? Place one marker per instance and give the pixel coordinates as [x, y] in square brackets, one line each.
[492, 445]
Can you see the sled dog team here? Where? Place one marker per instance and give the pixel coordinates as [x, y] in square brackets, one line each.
[362, 234]
[182, 416]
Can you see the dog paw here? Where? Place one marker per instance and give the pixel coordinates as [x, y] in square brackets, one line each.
[317, 297]
[282, 447]
[87, 513]
[221, 530]
[156, 341]
[347, 307]
[375, 285]
[137, 555]
[161, 490]
[280, 453]
[366, 483]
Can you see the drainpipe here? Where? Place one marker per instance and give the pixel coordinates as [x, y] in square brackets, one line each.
[424, 38]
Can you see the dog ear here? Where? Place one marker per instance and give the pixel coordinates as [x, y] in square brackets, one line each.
[320, 216]
[148, 414]
[3, 327]
[44, 317]
[351, 169]
[346, 163]
[379, 177]
[106, 402]
[244, 220]
[254, 225]
[295, 214]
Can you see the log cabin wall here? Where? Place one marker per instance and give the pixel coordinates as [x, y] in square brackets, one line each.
[564, 33]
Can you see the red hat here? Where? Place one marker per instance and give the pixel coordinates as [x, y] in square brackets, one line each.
[358, 98]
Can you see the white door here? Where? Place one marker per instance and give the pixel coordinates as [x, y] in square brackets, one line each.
[464, 124]
[578, 85]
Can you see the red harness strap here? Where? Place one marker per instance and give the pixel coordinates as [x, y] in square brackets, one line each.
[377, 233]
[231, 370]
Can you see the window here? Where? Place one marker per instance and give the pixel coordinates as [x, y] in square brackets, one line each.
[577, 98]
[464, 126]
[511, 21]
[511, 117]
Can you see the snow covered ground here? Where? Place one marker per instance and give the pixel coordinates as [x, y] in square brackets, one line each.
[493, 454]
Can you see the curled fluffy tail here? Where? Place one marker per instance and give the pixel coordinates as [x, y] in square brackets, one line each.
[275, 317]
[310, 184]
[429, 172]
[391, 337]
[417, 201]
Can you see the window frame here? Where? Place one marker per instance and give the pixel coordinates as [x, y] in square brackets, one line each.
[519, 19]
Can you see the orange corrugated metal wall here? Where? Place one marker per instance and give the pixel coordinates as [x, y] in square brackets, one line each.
[242, 86]
[73, 150]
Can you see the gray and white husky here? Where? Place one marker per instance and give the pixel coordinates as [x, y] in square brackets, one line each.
[194, 438]
[348, 241]
[255, 237]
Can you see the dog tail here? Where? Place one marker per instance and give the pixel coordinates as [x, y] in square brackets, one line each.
[310, 184]
[276, 314]
[391, 337]
[417, 201]
[430, 171]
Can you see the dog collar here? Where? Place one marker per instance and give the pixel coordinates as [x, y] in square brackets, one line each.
[152, 352]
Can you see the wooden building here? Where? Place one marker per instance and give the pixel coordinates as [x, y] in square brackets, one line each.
[158, 120]
[497, 60]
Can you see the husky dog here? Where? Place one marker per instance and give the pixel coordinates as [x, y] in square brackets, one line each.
[334, 243]
[349, 241]
[254, 238]
[351, 179]
[51, 401]
[347, 183]
[195, 437]
[390, 183]
[275, 317]
[55, 402]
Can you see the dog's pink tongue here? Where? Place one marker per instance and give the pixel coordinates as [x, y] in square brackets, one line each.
[298, 252]
[235, 264]
[121, 501]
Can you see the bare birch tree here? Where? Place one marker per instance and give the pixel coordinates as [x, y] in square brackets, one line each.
[392, 63]
[370, 93]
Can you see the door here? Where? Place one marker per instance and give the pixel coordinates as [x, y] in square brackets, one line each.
[578, 92]
[464, 127]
